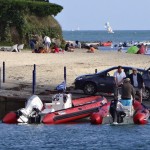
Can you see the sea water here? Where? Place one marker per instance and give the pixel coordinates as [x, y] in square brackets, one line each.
[116, 37]
[74, 137]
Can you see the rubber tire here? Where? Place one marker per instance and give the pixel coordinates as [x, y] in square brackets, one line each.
[90, 88]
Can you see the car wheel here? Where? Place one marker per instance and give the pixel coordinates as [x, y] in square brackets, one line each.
[90, 88]
[146, 94]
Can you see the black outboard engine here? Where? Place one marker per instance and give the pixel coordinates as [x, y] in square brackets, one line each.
[35, 116]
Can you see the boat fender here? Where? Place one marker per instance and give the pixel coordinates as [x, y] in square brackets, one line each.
[139, 118]
[96, 118]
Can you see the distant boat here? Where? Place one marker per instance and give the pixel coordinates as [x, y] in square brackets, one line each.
[78, 28]
[108, 27]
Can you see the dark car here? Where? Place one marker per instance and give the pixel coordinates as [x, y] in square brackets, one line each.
[104, 81]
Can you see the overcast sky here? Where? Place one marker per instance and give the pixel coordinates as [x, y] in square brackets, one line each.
[93, 14]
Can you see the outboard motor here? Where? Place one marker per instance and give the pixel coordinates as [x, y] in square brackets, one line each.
[33, 107]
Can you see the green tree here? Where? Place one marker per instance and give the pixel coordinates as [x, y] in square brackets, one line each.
[21, 18]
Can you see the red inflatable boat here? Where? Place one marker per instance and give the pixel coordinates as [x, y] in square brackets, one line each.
[140, 115]
[62, 106]
[75, 113]
[109, 43]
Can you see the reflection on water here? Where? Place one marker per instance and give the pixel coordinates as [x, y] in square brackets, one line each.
[74, 137]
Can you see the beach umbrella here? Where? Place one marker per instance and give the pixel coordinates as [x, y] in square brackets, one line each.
[133, 49]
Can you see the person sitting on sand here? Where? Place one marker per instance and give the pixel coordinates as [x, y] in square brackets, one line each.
[69, 48]
[55, 49]
[141, 49]
[77, 44]
[91, 50]
[120, 49]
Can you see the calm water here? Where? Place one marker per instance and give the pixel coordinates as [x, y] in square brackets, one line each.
[118, 36]
[74, 137]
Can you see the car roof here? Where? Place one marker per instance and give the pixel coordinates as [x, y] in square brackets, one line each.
[123, 67]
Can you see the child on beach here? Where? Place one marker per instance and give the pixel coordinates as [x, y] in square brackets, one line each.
[91, 50]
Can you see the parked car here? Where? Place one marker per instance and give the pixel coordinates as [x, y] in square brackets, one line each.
[104, 81]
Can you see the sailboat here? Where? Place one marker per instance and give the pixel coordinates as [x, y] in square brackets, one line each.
[108, 27]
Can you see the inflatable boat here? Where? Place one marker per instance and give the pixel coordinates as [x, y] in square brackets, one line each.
[108, 43]
[135, 114]
[74, 113]
[35, 109]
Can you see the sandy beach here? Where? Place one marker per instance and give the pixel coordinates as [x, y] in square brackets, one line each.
[50, 66]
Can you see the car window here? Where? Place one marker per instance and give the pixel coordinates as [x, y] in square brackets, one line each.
[141, 72]
[146, 75]
[111, 73]
[127, 71]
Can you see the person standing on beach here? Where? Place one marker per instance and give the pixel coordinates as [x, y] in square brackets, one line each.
[47, 42]
[119, 76]
[137, 82]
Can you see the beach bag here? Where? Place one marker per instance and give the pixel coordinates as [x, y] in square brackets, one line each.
[61, 87]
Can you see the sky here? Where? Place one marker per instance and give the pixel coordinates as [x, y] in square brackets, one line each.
[93, 14]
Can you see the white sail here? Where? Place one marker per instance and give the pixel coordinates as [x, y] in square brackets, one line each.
[108, 28]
